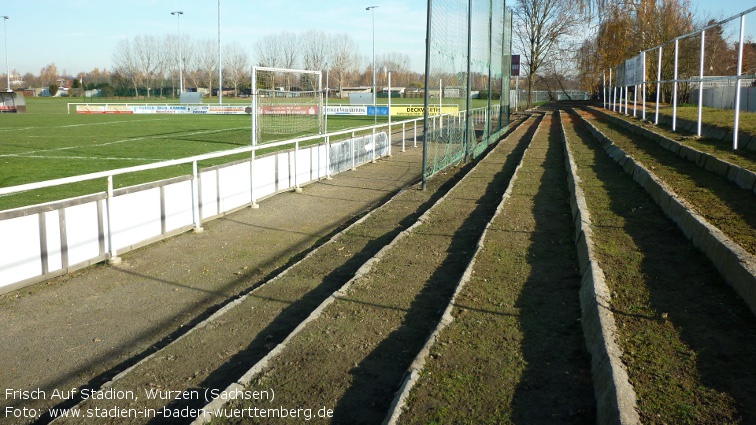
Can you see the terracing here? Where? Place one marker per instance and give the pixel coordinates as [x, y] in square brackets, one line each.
[578, 273]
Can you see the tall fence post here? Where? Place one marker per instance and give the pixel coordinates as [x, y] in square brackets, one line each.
[737, 85]
[700, 85]
[609, 89]
[643, 90]
[674, 90]
[658, 86]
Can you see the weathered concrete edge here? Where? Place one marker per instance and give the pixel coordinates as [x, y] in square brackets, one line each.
[743, 178]
[233, 303]
[735, 264]
[258, 367]
[616, 402]
[413, 373]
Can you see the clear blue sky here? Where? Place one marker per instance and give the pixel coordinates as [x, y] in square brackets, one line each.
[79, 35]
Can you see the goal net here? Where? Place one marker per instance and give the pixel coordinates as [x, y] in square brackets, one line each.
[287, 102]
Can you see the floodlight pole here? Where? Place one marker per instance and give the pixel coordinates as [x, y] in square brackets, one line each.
[220, 59]
[375, 111]
[5, 36]
[178, 14]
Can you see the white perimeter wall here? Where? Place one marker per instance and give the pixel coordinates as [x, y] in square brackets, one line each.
[43, 241]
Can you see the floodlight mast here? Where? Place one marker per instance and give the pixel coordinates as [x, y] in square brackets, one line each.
[375, 112]
[5, 36]
[178, 14]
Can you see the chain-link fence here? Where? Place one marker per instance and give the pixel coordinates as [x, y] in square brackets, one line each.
[467, 66]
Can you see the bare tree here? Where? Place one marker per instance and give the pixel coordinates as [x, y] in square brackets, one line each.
[289, 43]
[150, 61]
[314, 47]
[49, 74]
[125, 64]
[207, 62]
[343, 57]
[236, 65]
[540, 26]
[268, 51]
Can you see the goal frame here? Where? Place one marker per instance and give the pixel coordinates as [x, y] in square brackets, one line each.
[255, 94]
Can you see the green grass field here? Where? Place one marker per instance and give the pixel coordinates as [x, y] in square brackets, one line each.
[48, 143]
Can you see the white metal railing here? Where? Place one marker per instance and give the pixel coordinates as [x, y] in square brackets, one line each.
[614, 101]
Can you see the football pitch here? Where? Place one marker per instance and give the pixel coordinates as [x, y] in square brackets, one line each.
[47, 143]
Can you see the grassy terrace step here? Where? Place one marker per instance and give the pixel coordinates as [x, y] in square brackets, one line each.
[736, 165]
[719, 147]
[216, 354]
[689, 341]
[353, 357]
[722, 204]
[515, 351]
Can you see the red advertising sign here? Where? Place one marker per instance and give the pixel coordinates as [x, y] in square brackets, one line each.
[289, 110]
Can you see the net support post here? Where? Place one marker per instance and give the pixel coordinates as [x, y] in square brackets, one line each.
[252, 198]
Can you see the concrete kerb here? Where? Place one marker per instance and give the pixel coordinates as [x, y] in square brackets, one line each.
[616, 401]
[737, 266]
[237, 301]
[417, 365]
[750, 143]
[743, 178]
[257, 368]
[716, 165]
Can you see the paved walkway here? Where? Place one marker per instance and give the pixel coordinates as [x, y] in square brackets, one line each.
[81, 329]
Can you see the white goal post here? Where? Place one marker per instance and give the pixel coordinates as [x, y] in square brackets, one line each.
[286, 102]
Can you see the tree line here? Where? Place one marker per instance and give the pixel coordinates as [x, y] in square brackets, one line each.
[570, 44]
[148, 66]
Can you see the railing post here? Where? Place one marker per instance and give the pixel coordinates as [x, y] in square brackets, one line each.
[352, 153]
[414, 131]
[113, 257]
[403, 135]
[297, 189]
[195, 199]
[328, 158]
[375, 146]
